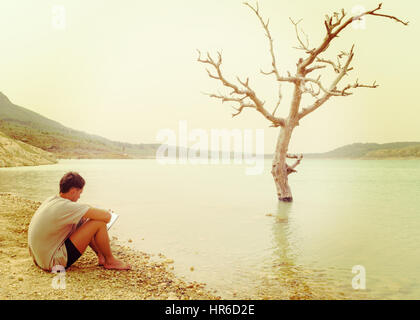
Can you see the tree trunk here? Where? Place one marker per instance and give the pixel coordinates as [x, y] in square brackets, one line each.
[280, 168]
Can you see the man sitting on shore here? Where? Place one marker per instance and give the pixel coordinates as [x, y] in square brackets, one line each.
[61, 229]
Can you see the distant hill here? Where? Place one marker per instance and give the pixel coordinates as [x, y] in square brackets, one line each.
[16, 153]
[398, 150]
[32, 128]
[36, 130]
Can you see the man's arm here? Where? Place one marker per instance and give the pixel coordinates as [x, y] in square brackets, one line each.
[98, 214]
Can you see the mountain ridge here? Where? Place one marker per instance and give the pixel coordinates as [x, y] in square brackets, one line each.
[30, 127]
[360, 150]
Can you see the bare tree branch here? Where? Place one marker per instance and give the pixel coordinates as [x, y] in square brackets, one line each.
[278, 101]
[310, 90]
[332, 90]
[387, 16]
[270, 40]
[314, 68]
[336, 68]
[226, 98]
[291, 169]
[293, 156]
[334, 25]
[247, 92]
[357, 85]
[242, 106]
[303, 46]
[274, 70]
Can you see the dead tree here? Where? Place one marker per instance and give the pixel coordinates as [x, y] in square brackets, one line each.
[303, 84]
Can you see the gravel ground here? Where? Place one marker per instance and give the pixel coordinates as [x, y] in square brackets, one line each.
[150, 278]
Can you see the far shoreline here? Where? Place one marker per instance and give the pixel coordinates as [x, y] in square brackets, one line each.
[265, 159]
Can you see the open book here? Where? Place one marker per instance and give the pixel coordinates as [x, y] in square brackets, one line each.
[114, 218]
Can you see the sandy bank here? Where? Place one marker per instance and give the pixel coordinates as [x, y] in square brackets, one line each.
[21, 279]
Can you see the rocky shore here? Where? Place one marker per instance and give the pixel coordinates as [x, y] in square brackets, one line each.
[150, 278]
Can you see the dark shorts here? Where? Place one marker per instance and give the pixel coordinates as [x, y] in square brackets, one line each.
[72, 253]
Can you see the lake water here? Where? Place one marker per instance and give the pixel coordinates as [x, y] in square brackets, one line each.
[239, 239]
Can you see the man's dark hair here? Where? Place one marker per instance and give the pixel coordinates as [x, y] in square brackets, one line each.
[70, 180]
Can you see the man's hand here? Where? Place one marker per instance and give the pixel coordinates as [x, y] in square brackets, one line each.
[98, 214]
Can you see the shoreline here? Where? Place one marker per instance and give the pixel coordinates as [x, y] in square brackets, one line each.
[22, 280]
[152, 277]
[152, 158]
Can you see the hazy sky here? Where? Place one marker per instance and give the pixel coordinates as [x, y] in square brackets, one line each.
[126, 69]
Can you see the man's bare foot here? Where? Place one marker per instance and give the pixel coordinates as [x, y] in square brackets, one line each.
[101, 260]
[116, 264]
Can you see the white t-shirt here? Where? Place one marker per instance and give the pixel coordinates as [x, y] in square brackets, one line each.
[54, 221]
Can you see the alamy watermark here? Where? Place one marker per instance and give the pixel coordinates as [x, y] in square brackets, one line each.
[361, 22]
[59, 280]
[359, 280]
[198, 146]
[58, 17]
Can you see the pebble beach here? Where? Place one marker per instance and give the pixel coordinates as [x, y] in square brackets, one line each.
[151, 277]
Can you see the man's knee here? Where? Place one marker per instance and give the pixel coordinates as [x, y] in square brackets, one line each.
[95, 224]
[100, 224]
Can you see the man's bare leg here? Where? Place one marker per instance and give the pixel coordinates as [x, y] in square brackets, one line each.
[92, 244]
[96, 230]
[101, 258]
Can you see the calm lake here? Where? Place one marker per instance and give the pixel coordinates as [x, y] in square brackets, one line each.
[240, 240]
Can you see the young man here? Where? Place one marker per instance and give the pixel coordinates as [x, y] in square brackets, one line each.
[61, 229]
